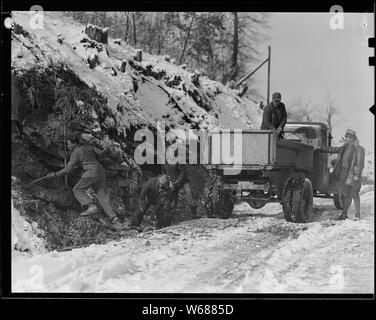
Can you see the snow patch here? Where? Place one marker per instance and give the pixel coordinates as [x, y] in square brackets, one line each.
[25, 235]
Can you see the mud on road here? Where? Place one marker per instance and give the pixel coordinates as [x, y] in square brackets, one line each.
[253, 251]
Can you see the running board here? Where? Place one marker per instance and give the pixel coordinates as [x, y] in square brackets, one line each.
[322, 196]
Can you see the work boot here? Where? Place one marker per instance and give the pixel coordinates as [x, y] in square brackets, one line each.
[90, 210]
[342, 216]
[116, 223]
[115, 220]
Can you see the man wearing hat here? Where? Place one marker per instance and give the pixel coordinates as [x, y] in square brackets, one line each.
[155, 192]
[93, 176]
[342, 169]
[355, 176]
[275, 116]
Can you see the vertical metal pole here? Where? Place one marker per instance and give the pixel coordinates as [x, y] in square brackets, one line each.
[64, 129]
[65, 154]
[268, 92]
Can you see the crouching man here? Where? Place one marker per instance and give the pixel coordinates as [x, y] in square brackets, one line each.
[93, 176]
[178, 175]
[155, 192]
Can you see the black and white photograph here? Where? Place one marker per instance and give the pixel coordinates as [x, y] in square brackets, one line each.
[191, 152]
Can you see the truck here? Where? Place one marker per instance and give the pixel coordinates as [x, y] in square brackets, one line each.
[290, 170]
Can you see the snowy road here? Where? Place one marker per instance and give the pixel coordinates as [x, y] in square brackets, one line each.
[254, 251]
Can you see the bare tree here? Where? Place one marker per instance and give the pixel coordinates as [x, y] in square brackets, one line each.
[329, 109]
[126, 36]
[187, 38]
[301, 109]
[235, 47]
[134, 29]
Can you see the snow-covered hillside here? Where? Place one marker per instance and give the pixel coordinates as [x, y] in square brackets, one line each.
[164, 90]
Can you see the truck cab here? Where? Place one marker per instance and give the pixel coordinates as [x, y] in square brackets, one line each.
[318, 135]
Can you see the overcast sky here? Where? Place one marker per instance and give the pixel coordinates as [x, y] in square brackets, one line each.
[309, 58]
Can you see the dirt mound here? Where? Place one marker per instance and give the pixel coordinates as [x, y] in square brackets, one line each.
[51, 226]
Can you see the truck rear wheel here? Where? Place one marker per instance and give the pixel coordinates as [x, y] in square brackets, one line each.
[218, 202]
[297, 200]
[210, 196]
[338, 201]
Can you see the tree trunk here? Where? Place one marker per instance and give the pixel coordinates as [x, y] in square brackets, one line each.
[223, 61]
[127, 28]
[329, 121]
[134, 29]
[186, 39]
[235, 48]
[211, 59]
[159, 34]
[96, 33]
[138, 56]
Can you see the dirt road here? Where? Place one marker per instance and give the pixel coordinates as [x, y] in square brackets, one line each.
[253, 251]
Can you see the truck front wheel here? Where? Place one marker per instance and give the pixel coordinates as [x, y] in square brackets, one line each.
[297, 200]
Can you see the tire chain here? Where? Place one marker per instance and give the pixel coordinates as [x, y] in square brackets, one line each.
[211, 196]
[290, 208]
[297, 190]
[287, 197]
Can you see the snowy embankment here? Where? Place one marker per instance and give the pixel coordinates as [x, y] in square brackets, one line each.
[255, 251]
[208, 104]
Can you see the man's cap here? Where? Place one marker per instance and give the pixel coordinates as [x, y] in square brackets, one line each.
[276, 95]
[350, 133]
[163, 179]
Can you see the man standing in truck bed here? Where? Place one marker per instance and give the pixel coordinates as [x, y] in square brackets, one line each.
[274, 117]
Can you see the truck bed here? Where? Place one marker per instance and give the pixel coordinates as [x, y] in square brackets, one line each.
[256, 150]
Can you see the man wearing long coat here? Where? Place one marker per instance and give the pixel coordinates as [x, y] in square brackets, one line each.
[342, 170]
